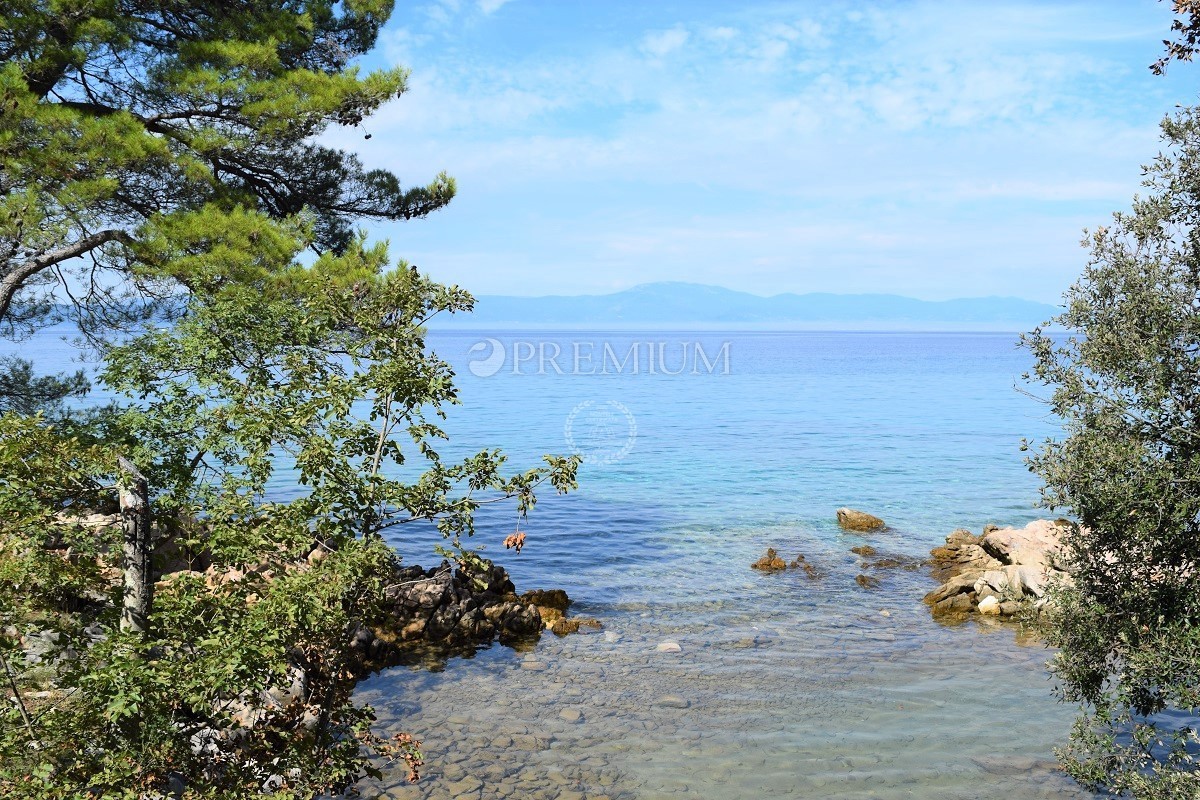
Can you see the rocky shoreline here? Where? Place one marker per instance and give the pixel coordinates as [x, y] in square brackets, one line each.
[1002, 573]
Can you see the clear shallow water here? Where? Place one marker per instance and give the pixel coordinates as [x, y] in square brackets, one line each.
[795, 687]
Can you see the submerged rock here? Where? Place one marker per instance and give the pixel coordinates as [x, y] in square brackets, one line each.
[863, 550]
[867, 581]
[771, 562]
[562, 627]
[859, 521]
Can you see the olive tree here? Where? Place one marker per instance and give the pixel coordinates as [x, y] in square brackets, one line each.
[1126, 385]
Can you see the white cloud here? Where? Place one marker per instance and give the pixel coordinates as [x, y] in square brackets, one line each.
[492, 6]
[663, 43]
[925, 151]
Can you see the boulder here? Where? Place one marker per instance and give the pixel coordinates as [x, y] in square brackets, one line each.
[959, 584]
[867, 581]
[455, 609]
[1003, 583]
[989, 606]
[961, 537]
[859, 521]
[771, 562]
[563, 627]
[1035, 545]
[955, 604]
[999, 573]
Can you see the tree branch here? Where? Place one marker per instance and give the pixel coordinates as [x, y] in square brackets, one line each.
[14, 280]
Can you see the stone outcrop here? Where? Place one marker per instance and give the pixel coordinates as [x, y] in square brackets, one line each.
[453, 606]
[552, 605]
[771, 562]
[999, 573]
[859, 521]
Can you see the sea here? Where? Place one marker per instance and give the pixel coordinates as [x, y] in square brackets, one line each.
[710, 679]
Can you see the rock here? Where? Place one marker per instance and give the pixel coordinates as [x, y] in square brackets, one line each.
[612, 637]
[669, 647]
[46, 647]
[1035, 545]
[897, 562]
[1001, 582]
[955, 604]
[771, 562]
[867, 581]
[548, 598]
[1000, 572]
[863, 550]
[989, 606]
[571, 715]
[563, 627]
[534, 666]
[956, 585]
[551, 604]
[961, 537]
[1031, 580]
[470, 785]
[447, 611]
[859, 521]
[672, 701]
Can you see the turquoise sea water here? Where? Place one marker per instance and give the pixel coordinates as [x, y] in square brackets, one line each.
[793, 687]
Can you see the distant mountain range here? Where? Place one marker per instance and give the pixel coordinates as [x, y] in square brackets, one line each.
[691, 305]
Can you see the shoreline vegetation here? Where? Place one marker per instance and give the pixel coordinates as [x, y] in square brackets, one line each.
[171, 630]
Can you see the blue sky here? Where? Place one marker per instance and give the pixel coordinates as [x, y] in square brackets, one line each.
[936, 150]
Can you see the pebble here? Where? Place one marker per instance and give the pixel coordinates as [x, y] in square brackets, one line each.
[612, 636]
[534, 666]
[468, 785]
[673, 701]
[669, 647]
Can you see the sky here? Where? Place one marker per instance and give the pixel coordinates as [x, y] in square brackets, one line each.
[935, 150]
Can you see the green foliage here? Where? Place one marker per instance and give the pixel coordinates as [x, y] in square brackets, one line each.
[1126, 384]
[325, 365]
[165, 153]
[323, 368]
[126, 119]
[22, 392]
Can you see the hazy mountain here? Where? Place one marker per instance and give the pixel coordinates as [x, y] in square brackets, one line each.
[696, 305]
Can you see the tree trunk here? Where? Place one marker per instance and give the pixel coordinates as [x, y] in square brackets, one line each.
[136, 549]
